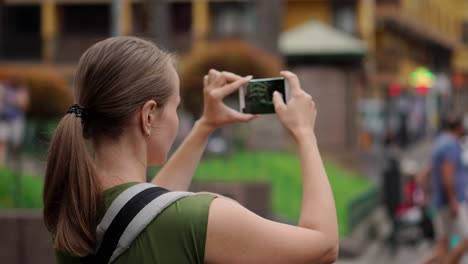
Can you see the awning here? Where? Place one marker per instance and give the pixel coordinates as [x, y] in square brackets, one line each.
[317, 39]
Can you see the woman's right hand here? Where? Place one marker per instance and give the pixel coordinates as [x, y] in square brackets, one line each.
[298, 116]
[315, 240]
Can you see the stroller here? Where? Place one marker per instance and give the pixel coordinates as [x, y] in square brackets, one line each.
[413, 215]
[405, 206]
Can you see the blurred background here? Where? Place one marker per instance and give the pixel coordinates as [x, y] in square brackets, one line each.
[383, 73]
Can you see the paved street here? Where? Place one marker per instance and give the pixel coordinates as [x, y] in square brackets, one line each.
[379, 254]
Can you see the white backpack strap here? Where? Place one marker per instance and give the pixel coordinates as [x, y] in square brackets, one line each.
[116, 206]
[144, 218]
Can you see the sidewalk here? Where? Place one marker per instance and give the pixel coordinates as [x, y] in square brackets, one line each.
[378, 253]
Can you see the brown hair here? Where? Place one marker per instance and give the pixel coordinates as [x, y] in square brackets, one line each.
[114, 78]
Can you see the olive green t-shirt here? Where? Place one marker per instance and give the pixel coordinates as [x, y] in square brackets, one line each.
[176, 235]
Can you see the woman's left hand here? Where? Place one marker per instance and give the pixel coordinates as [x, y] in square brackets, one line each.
[218, 85]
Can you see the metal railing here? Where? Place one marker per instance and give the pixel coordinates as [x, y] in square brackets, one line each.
[361, 207]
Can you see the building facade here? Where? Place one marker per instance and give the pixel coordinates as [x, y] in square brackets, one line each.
[401, 37]
[58, 31]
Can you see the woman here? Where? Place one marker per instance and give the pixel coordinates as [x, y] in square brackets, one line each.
[128, 92]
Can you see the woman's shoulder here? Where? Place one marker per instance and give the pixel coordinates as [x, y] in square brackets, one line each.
[196, 200]
[195, 207]
[177, 234]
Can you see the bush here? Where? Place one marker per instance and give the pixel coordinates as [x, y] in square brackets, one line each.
[50, 94]
[236, 56]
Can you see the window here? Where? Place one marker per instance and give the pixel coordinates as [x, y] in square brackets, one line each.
[96, 20]
[181, 18]
[21, 35]
[345, 17]
[230, 19]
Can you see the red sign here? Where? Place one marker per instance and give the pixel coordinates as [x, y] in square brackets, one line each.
[422, 90]
[394, 89]
[459, 80]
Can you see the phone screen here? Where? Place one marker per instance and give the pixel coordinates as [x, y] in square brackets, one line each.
[258, 95]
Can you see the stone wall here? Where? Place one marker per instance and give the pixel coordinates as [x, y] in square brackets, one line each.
[254, 196]
[24, 238]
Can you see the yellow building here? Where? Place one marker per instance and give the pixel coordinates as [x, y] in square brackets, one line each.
[55, 31]
[400, 34]
[402, 27]
[299, 12]
[461, 55]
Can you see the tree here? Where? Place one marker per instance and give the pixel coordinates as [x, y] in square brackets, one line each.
[232, 55]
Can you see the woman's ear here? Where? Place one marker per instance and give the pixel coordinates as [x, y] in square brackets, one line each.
[148, 117]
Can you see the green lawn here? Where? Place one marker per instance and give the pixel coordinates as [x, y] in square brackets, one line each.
[283, 171]
[31, 190]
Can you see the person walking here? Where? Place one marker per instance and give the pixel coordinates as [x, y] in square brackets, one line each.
[126, 97]
[448, 194]
[14, 99]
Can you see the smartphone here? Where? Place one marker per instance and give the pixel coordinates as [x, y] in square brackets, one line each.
[256, 97]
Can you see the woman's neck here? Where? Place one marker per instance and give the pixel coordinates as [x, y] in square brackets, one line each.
[119, 162]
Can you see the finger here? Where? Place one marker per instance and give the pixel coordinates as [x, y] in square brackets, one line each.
[278, 101]
[231, 77]
[293, 81]
[232, 87]
[212, 76]
[219, 79]
[241, 117]
[205, 81]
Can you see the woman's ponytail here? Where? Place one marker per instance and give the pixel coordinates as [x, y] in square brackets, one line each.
[71, 191]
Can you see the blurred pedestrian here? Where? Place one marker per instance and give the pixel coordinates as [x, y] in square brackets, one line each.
[448, 193]
[422, 180]
[391, 186]
[14, 100]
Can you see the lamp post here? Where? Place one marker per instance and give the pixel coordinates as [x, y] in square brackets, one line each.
[159, 24]
[1, 27]
[116, 11]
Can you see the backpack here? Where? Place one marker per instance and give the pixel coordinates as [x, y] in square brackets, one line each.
[128, 215]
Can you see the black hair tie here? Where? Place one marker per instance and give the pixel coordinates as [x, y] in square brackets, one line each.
[78, 110]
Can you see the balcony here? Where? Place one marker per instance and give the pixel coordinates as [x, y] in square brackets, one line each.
[420, 26]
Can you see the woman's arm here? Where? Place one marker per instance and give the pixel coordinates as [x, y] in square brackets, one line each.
[236, 235]
[299, 118]
[178, 172]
